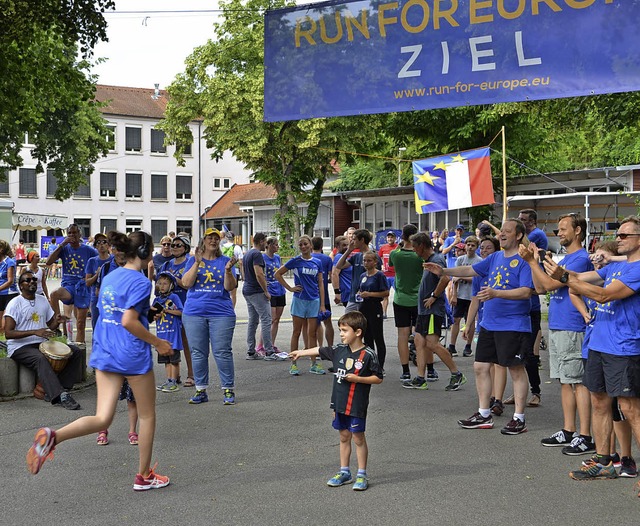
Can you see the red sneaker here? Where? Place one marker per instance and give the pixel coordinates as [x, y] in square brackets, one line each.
[152, 481]
[43, 445]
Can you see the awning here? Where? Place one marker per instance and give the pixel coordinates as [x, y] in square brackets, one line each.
[38, 222]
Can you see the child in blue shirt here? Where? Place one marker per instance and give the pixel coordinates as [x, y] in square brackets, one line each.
[167, 311]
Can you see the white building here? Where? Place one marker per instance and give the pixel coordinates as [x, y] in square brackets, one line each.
[138, 185]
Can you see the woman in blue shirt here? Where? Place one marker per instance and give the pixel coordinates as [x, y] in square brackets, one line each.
[208, 316]
[121, 349]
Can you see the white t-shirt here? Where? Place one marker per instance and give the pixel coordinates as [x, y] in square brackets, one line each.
[465, 287]
[29, 315]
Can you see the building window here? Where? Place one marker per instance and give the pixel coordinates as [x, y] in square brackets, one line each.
[84, 225]
[84, 190]
[185, 225]
[158, 229]
[187, 150]
[133, 225]
[108, 184]
[107, 225]
[27, 186]
[29, 236]
[133, 185]
[183, 187]
[4, 181]
[159, 187]
[221, 183]
[111, 137]
[133, 139]
[52, 183]
[157, 141]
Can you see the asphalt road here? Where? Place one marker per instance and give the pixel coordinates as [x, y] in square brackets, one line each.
[266, 460]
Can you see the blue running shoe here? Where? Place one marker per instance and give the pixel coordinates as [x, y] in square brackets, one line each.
[361, 484]
[200, 397]
[293, 370]
[317, 368]
[229, 397]
[340, 478]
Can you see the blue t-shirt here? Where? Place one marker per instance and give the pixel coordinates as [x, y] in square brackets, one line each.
[326, 264]
[505, 273]
[250, 259]
[538, 237]
[305, 274]
[115, 349]
[5, 265]
[617, 327]
[169, 326]
[591, 308]
[91, 268]
[375, 283]
[357, 266]
[345, 279]
[563, 316]
[208, 297]
[274, 287]
[74, 261]
[451, 255]
[177, 270]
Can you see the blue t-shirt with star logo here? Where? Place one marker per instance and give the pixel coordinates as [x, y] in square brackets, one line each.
[505, 273]
[208, 297]
[74, 261]
[617, 326]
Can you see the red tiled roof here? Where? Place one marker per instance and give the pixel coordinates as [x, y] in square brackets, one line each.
[226, 206]
[132, 102]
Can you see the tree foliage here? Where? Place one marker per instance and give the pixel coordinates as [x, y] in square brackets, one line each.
[46, 91]
[223, 85]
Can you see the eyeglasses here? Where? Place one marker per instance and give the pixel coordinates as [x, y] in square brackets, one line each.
[101, 242]
[166, 244]
[27, 280]
[625, 236]
[177, 246]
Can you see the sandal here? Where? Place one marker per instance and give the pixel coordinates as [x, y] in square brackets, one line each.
[534, 401]
[189, 382]
[133, 439]
[509, 400]
[102, 438]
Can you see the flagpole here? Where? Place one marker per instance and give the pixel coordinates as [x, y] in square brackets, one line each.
[504, 177]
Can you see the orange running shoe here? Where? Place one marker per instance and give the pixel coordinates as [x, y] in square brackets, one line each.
[43, 445]
[152, 481]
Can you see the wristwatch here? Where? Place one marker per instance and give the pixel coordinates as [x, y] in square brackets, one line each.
[433, 295]
[564, 278]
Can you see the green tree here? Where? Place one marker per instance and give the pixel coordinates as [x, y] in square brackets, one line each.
[46, 91]
[223, 85]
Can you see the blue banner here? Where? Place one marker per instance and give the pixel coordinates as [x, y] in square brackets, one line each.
[348, 58]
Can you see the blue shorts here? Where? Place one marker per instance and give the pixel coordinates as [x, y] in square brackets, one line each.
[305, 308]
[80, 295]
[391, 282]
[351, 423]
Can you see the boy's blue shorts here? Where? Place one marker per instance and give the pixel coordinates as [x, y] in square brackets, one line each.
[351, 423]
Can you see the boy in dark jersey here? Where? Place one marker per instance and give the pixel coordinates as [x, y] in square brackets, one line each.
[357, 368]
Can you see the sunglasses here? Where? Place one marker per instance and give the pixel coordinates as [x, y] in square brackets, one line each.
[177, 246]
[29, 280]
[166, 244]
[625, 236]
[101, 242]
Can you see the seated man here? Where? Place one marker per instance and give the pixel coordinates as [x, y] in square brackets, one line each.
[29, 320]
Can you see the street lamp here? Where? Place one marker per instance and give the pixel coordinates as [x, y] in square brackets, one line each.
[400, 151]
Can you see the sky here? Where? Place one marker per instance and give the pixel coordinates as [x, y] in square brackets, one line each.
[147, 48]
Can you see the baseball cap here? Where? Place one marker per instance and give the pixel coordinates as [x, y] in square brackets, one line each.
[461, 246]
[460, 227]
[485, 230]
[391, 233]
[212, 231]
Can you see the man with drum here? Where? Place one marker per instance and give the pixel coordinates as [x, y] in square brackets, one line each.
[30, 321]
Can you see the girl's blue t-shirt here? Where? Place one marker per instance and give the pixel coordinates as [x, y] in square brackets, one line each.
[375, 283]
[563, 316]
[505, 273]
[208, 297]
[5, 265]
[93, 264]
[177, 270]
[115, 349]
[305, 274]
[617, 327]
[169, 326]
[274, 287]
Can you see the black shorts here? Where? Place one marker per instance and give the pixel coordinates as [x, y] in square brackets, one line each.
[536, 316]
[615, 375]
[279, 301]
[616, 412]
[506, 348]
[6, 299]
[405, 316]
[429, 324]
[461, 309]
[172, 358]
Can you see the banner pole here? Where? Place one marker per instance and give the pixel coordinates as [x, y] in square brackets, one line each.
[504, 177]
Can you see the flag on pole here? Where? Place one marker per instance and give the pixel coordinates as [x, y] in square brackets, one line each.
[453, 181]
